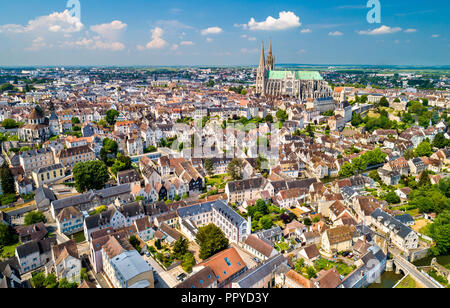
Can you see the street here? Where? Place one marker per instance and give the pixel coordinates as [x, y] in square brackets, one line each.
[165, 279]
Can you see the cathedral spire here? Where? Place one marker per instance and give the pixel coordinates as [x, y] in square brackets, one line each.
[262, 61]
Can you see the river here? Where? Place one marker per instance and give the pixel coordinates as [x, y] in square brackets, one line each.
[388, 280]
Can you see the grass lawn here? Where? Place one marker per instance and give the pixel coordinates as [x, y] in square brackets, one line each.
[217, 181]
[78, 237]
[413, 212]
[8, 251]
[407, 283]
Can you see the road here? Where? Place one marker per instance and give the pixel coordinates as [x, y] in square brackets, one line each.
[415, 273]
[93, 276]
[165, 279]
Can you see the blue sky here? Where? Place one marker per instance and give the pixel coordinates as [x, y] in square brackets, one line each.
[198, 32]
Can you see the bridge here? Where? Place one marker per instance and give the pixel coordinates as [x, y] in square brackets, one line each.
[403, 265]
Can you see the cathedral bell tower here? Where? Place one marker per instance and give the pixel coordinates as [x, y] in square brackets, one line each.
[261, 74]
[270, 64]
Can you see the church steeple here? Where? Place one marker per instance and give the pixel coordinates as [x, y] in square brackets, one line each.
[270, 65]
[261, 74]
[262, 60]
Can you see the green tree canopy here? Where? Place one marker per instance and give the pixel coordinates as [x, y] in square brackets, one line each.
[111, 116]
[8, 235]
[10, 123]
[424, 149]
[235, 168]
[180, 248]
[34, 217]
[90, 175]
[211, 241]
[7, 179]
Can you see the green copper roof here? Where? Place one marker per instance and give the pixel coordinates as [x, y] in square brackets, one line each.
[299, 75]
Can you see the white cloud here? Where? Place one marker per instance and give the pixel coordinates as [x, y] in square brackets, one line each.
[410, 30]
[246, 50]
[187, 43]
[212, 30]
[209, 40]
[380, 31]
[286, 20]
[38, 44]
[336, 33]
[55, 22]
[94, 44]
[302, 51]
[111, 31]
[157, 41]
[435, 35]
[174, 47]
[250, 38]
[306, 30]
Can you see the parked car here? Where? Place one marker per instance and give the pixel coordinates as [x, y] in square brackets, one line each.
[181, 277]
[345, 253]
[257, 260]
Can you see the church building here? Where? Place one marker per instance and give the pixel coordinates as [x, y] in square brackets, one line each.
[298, 84]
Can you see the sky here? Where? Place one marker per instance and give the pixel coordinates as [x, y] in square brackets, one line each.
[200, 32]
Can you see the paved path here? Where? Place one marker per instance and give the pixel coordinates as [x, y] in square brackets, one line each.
[165, 279]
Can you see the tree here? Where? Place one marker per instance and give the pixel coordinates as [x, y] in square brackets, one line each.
[307, 221]
[282, 115]
[111, 116]
[209, 167]
[268, 118]
[180, 248]
[266, 222]
[10, 123]
[111, 147]
[311, 272]
[7, 179]
[440, 141]
[38, 280]
[310, 130]
[374, 175]
[8, 235]
[424, 149]
[261, 207]
[409, 154]
[90, 175]
[359, 164]
[211, 241]
[392, 198]
[299, 264]
[35, 217]
[444, 186]
[357, 119]
[235, 168]
[347, 170]
[135, 243]
[384, 102]
[188, 262]
[122, 163]
[158, 244]
[75, 120]
[424, 180]
[440, 232]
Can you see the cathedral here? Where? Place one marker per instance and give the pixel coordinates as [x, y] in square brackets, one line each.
[299, 84]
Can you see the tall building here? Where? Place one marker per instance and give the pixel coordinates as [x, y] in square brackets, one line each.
[299, 84]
